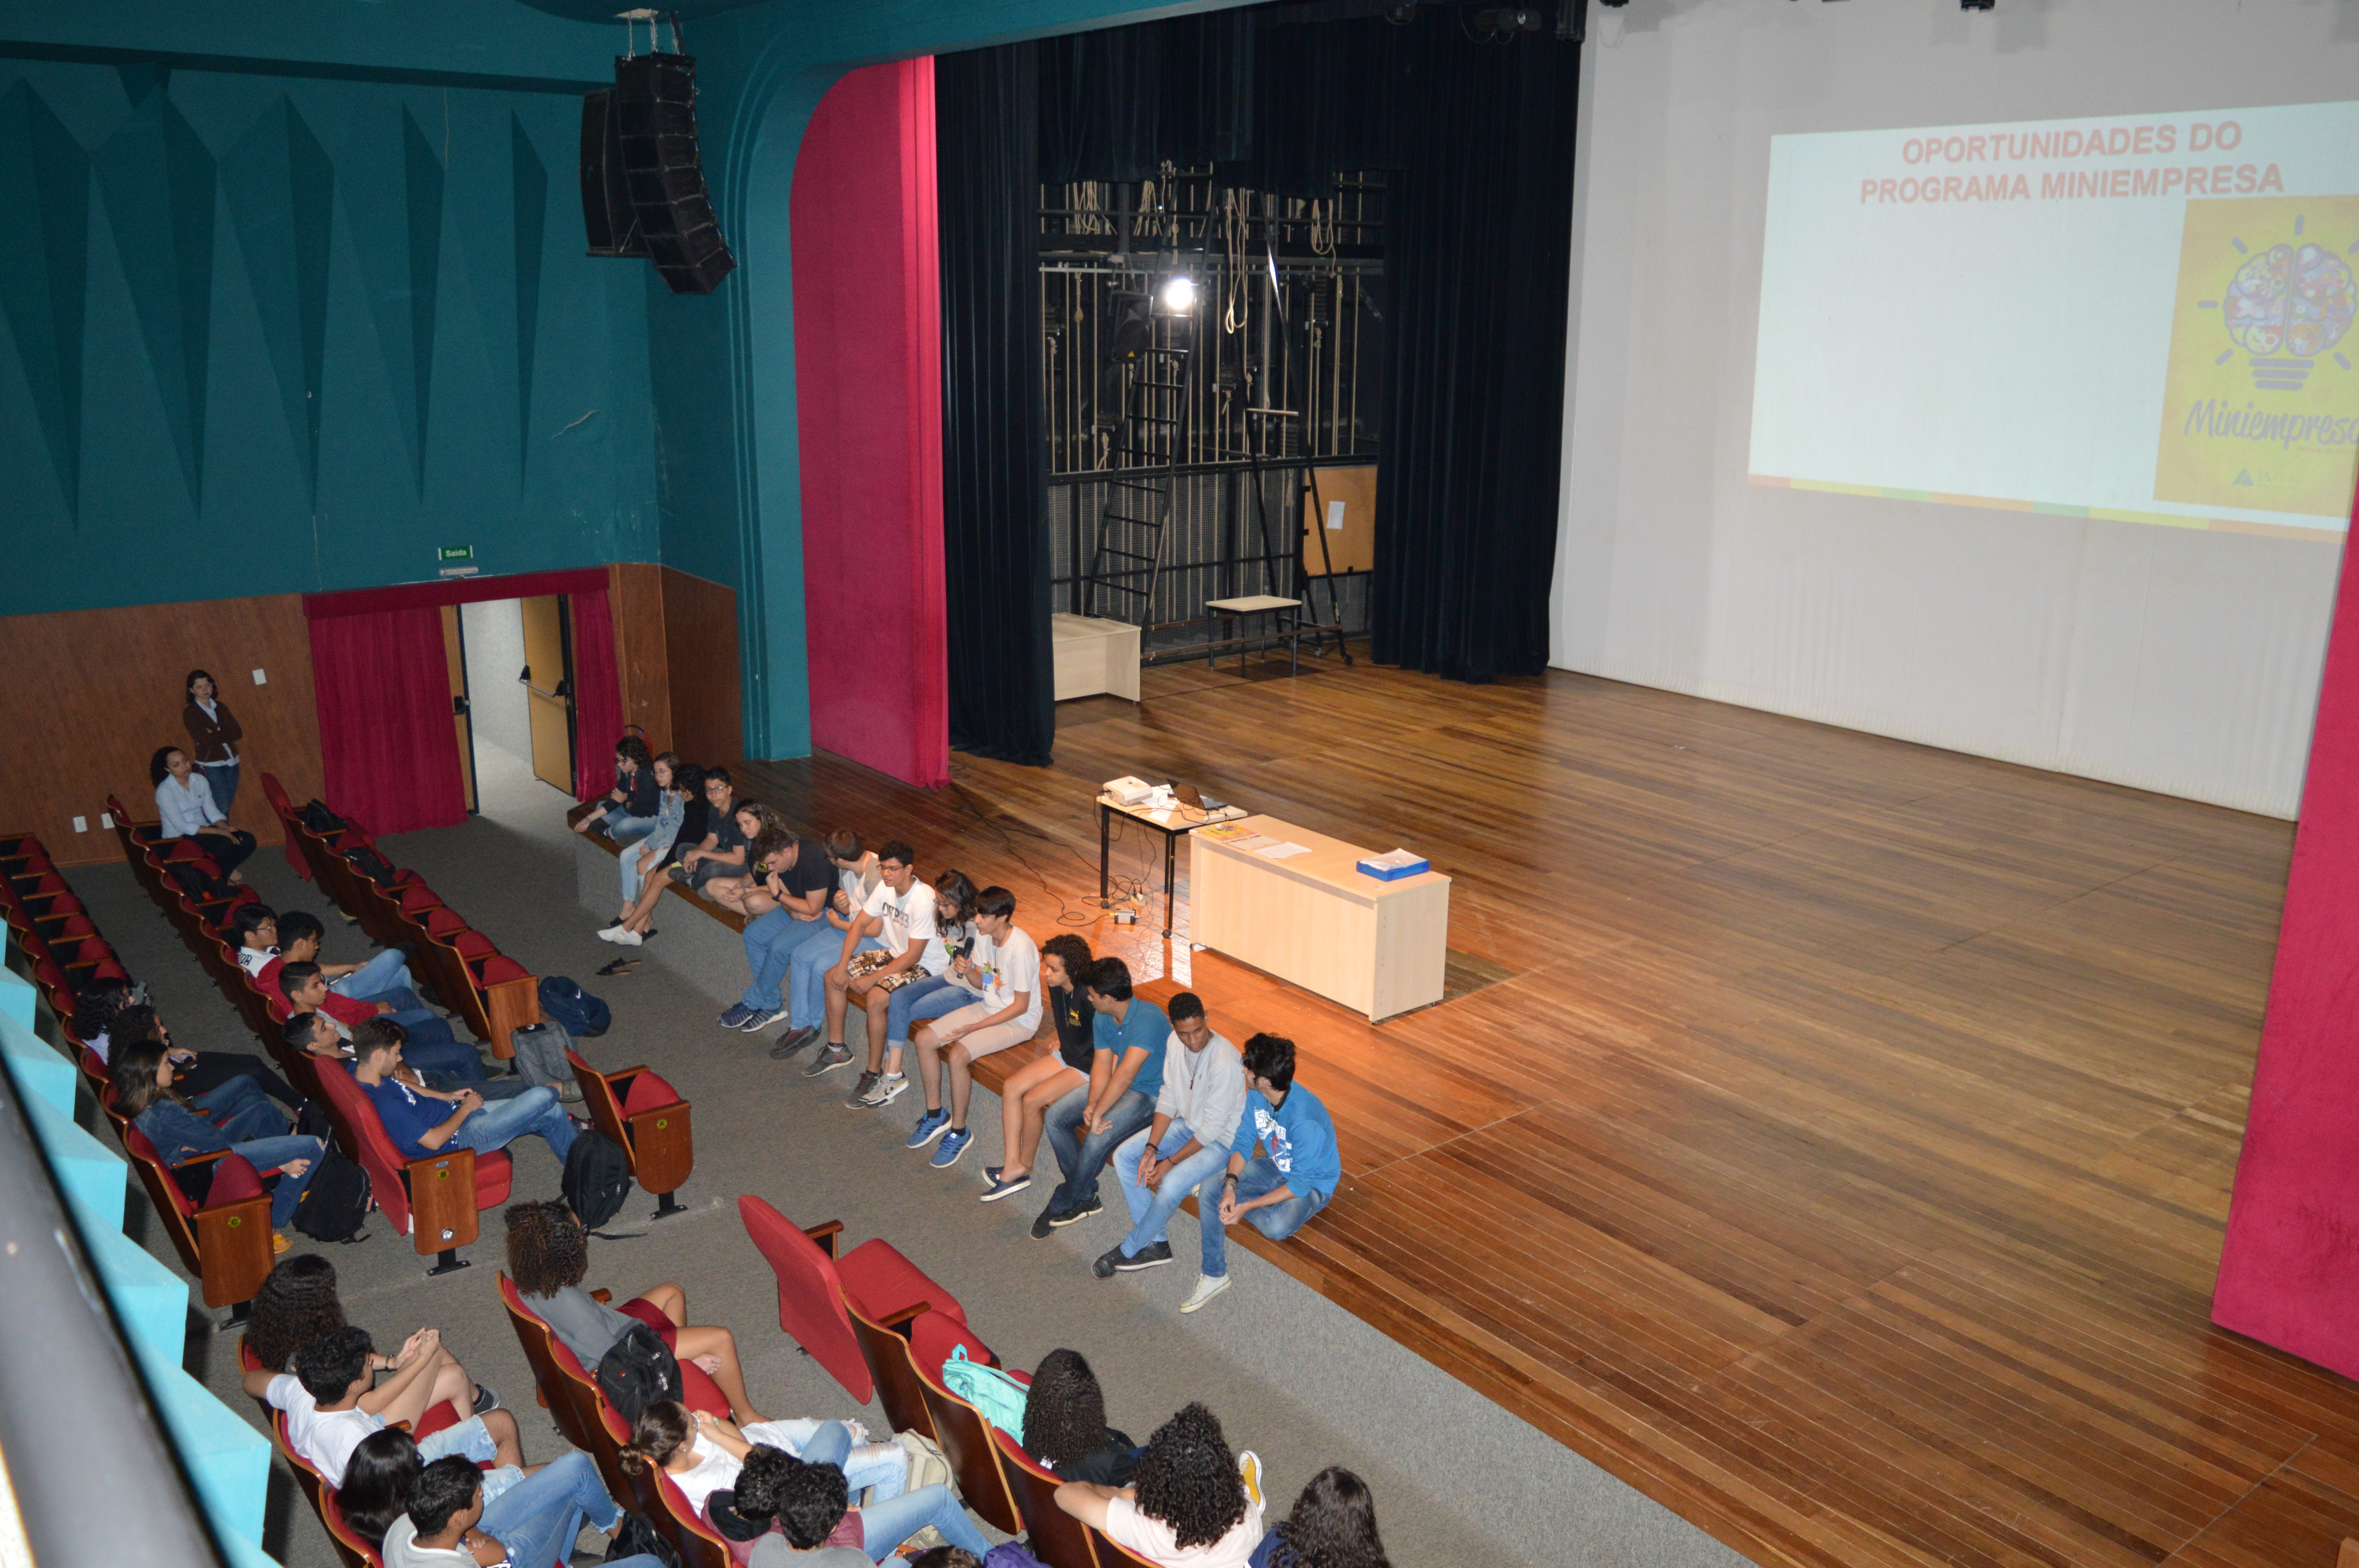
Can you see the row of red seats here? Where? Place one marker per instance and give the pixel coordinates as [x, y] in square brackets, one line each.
[882, 1328]
[435, 1200]
[49, 924]
[468, 973]
[224, 1238]
[428, 1199]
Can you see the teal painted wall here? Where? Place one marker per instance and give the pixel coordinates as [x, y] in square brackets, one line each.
[269, 333]
[692, 456]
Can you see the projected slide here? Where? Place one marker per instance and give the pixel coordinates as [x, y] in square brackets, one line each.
[2147, 317]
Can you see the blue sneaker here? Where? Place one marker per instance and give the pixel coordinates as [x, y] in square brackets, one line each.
[929, 1127]
[736, 1017]
[954, 1144]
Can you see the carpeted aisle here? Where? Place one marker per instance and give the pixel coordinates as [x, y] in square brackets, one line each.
[1292, 1376]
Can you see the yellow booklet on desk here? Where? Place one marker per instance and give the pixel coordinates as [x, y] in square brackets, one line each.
[1226, 832]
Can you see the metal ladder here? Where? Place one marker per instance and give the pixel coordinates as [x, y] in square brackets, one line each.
[1127, 564]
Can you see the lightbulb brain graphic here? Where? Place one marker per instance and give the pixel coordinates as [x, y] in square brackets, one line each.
[2292, 299]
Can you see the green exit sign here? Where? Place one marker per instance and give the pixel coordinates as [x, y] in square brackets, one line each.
[455, 553]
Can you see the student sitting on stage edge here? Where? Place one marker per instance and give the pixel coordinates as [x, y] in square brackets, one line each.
[790, 1511]
[1032, 1088]
[1007, 964]
[785, 911]
[881, 953]
[856, 877]
[708, 847]
[1196, 1114]
[1277, 1190]
[1125, 1077]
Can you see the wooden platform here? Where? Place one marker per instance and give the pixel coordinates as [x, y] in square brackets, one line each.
[1829, 1136]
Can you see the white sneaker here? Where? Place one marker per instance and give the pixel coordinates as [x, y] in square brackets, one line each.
[1207, 1287]
[611, 934]
[1249, 1469]
[627, 937]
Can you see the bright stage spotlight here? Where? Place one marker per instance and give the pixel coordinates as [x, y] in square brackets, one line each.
[1177, 295]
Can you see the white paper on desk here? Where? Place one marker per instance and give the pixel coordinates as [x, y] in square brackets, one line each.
[1161, 818]
[1283, 851]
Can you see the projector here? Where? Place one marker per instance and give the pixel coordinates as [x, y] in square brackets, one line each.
[1127, 791]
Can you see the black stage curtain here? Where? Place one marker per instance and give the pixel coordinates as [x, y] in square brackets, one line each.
[1477, 257]
[1476, 136]
[994, 431]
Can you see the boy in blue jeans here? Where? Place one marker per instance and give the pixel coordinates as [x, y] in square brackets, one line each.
[1276, 1191]
[422, 1121]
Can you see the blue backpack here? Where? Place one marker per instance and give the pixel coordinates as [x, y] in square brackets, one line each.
[582, 1015]
[996, 1397]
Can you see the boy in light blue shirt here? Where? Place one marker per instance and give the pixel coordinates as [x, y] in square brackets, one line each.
[1283, 1164]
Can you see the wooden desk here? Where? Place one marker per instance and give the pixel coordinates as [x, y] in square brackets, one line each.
[1317, 920]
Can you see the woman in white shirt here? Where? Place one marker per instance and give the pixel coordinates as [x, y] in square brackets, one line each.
[1187, 1505]
[703, 1454]
[185, 803]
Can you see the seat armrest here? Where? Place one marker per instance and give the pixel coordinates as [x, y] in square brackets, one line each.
[602, 1295]
[825, 1235]
[900, 1321]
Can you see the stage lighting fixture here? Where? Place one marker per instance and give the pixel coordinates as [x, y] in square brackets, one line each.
[1402, 15]
[1177, 295]
[1493, 21]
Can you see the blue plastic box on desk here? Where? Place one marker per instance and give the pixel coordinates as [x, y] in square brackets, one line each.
[1391, 868]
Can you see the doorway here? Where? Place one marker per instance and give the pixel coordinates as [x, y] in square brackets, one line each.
[512, 691]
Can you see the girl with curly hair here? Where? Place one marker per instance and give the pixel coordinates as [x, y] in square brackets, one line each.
[1333, 1525]
[296, 1303]
[548, 1257]
[1065, 1423]
[1187, 1505]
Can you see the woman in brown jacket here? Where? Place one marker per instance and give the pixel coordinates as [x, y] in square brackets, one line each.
[215, 732]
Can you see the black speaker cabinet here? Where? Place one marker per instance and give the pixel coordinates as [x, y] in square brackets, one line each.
[611, 225]
[654, 111]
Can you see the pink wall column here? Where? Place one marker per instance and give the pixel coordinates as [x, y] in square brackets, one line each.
[869, 412]
[2289, 1273]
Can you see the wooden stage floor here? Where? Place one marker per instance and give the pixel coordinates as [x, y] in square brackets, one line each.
[1829, 1136]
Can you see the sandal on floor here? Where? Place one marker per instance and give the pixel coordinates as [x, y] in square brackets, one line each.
[620, 967]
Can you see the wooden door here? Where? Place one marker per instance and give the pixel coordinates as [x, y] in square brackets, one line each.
[454, 654]
[549, 689]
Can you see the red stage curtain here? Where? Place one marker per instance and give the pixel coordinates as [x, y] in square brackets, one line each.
[597, 695]
[388, 751]
[869, 417]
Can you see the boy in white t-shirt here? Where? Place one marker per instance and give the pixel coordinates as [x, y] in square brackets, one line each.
[899, 916]
[1008, 1014]
[330, 1406]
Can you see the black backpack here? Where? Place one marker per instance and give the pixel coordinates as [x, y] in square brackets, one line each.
[638, 1538]
[336, 1204]
[585, 1017]
[372, 865]
[597, 1178]
[637, 1372]
[318, 818]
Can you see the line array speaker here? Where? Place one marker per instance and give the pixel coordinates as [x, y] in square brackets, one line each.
[606, 213]
[653, 110]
